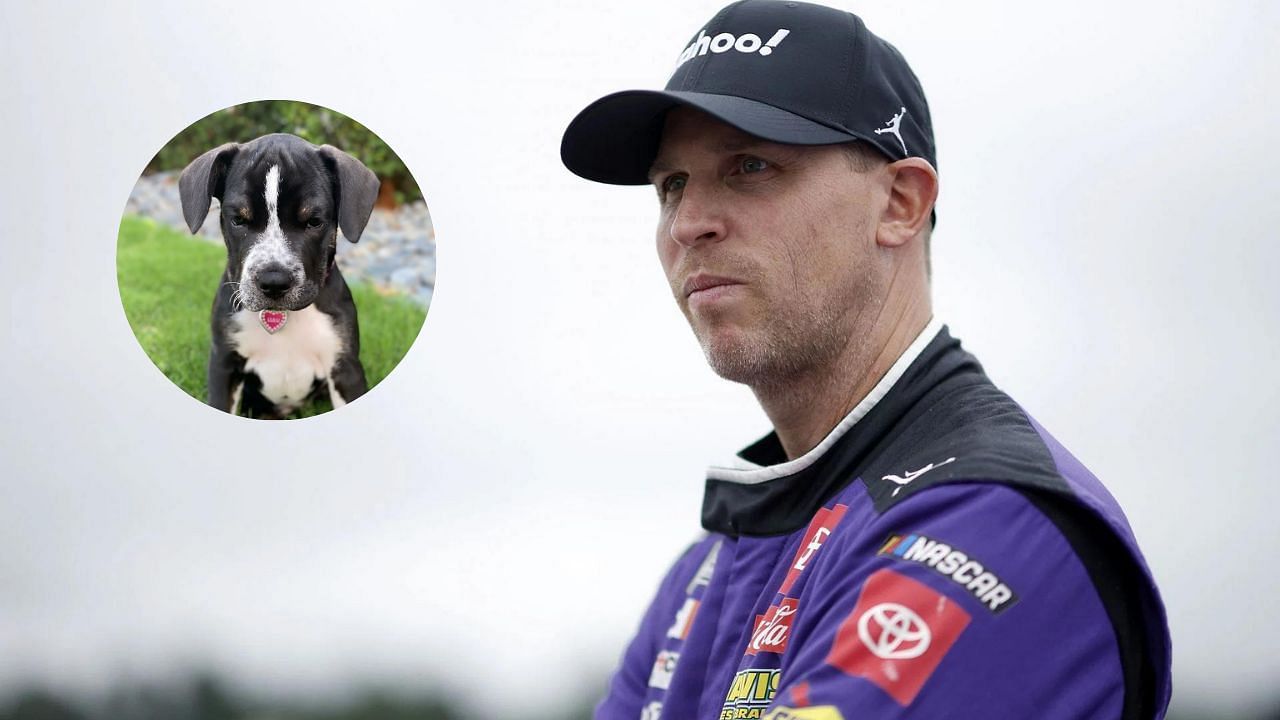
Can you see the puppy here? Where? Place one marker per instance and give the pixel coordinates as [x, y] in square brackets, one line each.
[284, 322]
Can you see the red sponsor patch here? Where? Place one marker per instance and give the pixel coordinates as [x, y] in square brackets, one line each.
[815, 535]
[897, 634]
[773, 628]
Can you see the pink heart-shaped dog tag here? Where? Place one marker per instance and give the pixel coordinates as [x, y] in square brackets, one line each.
[273, 320]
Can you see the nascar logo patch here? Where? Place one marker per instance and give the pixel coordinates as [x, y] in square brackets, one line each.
[954, 565]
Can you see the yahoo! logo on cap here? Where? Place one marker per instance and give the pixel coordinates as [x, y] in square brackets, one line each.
[724, 42]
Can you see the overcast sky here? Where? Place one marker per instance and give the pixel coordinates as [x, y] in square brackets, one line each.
[497, 513]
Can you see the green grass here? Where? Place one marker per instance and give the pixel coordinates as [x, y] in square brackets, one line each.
[167, 281]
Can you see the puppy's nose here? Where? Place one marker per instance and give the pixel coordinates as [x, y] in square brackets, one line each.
[274, 281]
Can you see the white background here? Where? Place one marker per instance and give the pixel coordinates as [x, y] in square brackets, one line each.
[495, 515]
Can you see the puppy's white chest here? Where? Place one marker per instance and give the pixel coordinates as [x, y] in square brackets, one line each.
[290, 360]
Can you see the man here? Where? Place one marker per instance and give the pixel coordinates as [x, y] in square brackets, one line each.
[908, 542]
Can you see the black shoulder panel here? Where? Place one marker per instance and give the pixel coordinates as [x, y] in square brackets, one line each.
[971, 432]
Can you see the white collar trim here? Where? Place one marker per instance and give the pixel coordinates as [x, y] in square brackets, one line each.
[745, 472]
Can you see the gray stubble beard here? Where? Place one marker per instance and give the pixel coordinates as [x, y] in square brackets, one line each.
[790, 348]
[793, 347]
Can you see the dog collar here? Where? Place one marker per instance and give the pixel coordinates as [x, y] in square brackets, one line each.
[273, 320]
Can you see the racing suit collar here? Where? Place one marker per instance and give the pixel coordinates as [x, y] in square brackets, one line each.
[762, 493]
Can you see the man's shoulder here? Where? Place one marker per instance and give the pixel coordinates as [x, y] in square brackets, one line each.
[975, 432]
[1021, 573]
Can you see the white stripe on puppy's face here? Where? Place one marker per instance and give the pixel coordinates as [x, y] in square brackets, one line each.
[273, 191]
[271, 242]
[270, 248]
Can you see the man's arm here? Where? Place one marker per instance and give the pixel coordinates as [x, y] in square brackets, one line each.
[630, 682]
[965, 601]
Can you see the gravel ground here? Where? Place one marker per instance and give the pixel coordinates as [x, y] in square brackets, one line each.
[396, 253]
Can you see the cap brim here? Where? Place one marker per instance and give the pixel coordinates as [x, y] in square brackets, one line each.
[615, 139]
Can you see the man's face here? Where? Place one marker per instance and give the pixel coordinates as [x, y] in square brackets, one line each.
[769, 249]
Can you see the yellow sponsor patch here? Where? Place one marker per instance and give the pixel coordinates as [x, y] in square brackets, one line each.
[750, 694]
[821, 712]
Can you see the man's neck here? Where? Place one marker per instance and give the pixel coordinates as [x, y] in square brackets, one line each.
[806, 407]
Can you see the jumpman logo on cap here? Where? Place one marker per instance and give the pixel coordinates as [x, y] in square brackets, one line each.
[891, 126]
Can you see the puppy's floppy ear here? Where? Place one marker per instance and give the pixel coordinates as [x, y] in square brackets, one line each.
[357, 190]
[203, 179]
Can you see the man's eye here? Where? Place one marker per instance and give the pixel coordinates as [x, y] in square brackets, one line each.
[675, 183]
[754, 165]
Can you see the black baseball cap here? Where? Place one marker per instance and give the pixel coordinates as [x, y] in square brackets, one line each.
[788, 72]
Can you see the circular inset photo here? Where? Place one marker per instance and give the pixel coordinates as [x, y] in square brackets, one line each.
[276, 260]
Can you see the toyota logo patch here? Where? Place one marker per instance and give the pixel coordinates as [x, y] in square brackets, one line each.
[894, 632]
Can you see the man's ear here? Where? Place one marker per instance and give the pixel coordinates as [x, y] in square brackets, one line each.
[913, 188]
[205, 178]
[357, 190]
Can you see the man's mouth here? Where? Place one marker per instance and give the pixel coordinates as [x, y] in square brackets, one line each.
[702, 283]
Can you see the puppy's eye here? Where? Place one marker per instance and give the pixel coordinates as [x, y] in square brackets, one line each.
[238, 220]
[314, 222]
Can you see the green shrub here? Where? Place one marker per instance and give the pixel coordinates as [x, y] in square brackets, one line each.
[313, 123]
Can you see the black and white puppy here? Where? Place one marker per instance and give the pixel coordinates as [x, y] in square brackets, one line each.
[284, 322]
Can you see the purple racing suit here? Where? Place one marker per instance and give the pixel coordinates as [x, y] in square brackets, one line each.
[937, 555]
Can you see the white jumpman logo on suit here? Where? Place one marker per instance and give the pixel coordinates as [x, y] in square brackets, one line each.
[892, 127]
[904, 480]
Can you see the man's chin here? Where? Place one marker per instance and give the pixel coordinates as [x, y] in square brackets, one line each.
[758, 358]
[734, 356]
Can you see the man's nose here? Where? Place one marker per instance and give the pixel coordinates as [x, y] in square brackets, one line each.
[698, 218]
